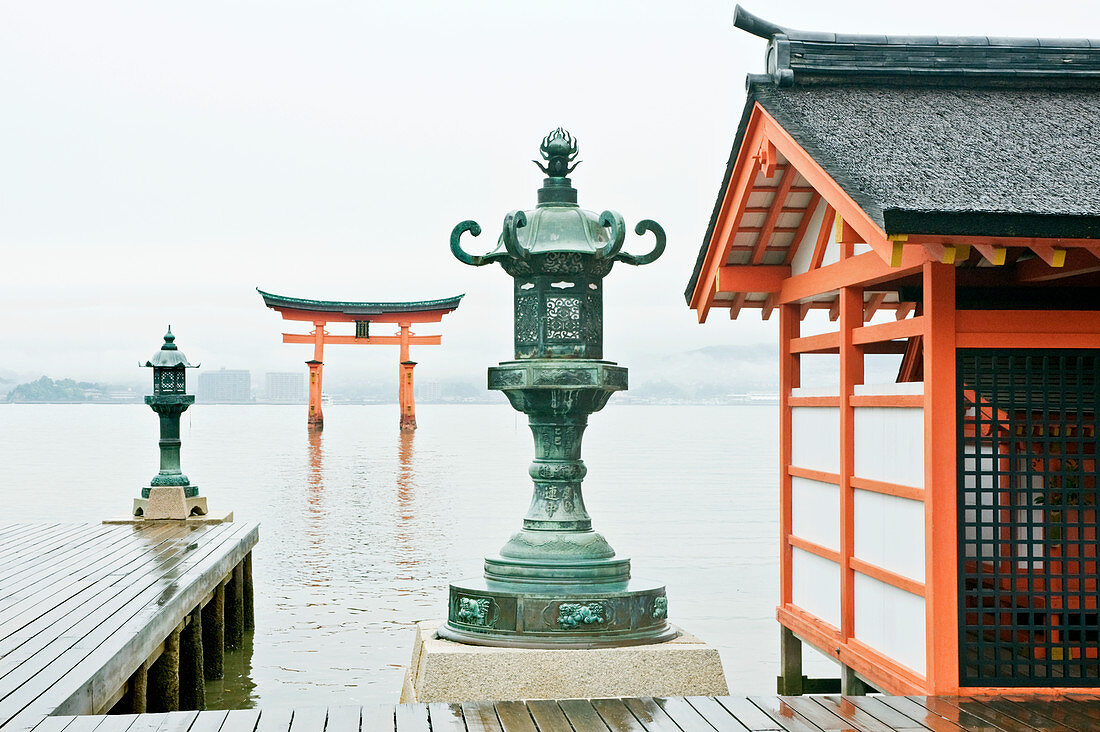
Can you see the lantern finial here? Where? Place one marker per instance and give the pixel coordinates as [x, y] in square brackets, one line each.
[558, 149]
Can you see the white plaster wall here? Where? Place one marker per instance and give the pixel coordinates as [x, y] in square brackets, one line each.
[815, 438]
[805, 251]
[815, 512]
[816, 586]
[891, 621]
[908, 387]
[890, 444]
[889, 532]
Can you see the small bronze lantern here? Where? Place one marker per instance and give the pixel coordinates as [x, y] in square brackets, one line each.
[557, 583]
[170, 493]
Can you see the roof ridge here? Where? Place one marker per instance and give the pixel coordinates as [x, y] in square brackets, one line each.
[795, 56]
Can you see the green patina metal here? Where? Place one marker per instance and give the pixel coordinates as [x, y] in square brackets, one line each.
[170, 400]
[557, 582]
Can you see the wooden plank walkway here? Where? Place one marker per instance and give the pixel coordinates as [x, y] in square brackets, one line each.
[1073, 713]
[83, 607]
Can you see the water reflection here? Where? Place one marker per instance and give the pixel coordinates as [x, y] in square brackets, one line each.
[316, 514]
[407, 556]
[236, 689]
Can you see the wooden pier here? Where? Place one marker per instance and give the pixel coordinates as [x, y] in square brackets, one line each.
[98, 618]
[693, 714]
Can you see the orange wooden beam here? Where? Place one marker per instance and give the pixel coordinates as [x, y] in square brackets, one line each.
[888, 489]
[766, 229]
[737, 304]
[769, 306]
[821, 343]
[1053, 256]
[823, 237]
[347, 340]
[889, 331]
[1075, 262]
[863, 269]
[874, 302]
[789, 378]
[851, 373]
[751, 278]
[940, 479]
[903, 309]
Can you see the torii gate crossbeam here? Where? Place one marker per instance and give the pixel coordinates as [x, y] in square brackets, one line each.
[322, 312]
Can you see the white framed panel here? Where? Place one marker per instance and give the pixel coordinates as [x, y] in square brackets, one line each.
[815, 512]
[804, 254]
[889, 532]
[815, 585]
[889, 444]
[891, 621]
[815, 438]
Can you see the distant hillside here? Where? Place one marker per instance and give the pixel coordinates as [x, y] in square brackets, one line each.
[46, 389]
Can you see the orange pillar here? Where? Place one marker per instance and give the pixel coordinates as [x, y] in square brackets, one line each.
[940, 479]
[405, 382]
[316, 417]
[851, 374]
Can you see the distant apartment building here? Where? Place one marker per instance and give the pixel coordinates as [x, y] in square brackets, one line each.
[224, 386]
[287, 387]
[428, 391]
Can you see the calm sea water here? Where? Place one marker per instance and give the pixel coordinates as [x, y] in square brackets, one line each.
[362, 527]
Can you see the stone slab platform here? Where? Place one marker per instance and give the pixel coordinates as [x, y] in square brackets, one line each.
[444, 671]
[1074, 713]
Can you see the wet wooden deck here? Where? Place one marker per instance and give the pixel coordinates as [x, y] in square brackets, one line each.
[1076, 713]
[83, 607]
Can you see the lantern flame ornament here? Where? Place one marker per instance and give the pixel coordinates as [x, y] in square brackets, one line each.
[557, 583]
[170, 493]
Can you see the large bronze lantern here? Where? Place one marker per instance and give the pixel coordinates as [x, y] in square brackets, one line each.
[557, 583]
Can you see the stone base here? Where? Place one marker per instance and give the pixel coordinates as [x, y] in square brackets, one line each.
[210, 518]
[169, 502]
[444, 671]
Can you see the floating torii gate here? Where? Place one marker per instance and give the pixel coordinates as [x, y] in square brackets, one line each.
[362, 314]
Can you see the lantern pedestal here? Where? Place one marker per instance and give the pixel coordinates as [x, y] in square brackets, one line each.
[449, 672]
[169, 502]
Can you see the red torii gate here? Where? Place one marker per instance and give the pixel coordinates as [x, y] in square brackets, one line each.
[323, 312]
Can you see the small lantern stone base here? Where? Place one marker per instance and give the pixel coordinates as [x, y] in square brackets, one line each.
[444, 671]
[170, 502]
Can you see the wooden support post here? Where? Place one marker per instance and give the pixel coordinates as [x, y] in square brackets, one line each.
[163, 692]
[790, 660]
[789, 372]
[234, 609]
[192, 676]
[249, 597]
[137, 690]
[213, 635]
[851, 373]
[940, 480]
[850, 684]
[405, 382]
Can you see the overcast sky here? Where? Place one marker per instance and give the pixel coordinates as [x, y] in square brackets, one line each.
[159, 161]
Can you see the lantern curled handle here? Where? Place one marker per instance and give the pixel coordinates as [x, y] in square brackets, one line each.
[512, 223]
[456, 248]
[658, 248]
[614, 221]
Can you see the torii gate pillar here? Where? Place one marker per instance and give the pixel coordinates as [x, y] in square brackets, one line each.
[316, 417]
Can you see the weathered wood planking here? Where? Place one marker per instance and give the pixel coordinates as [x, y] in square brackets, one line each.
[1075, 713]
[83, 605]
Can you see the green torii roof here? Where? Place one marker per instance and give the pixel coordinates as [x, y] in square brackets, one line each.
[358, 308]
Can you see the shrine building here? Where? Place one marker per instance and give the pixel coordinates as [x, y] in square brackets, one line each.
[362, 314]
[939, 199]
